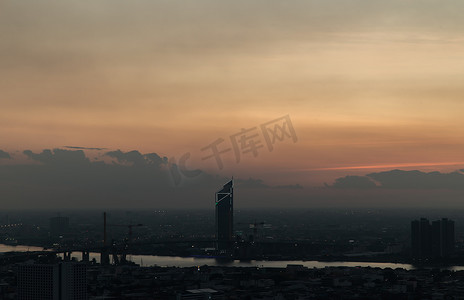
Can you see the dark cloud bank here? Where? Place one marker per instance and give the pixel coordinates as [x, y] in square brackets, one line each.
[4, 154]
[62, 178]
[398, 179]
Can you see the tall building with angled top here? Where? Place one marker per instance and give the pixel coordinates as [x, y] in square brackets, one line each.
[225, 217]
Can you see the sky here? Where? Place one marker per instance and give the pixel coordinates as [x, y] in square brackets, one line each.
[367, 86]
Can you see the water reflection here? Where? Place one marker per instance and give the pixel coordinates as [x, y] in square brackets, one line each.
[173, 261]
[168, 261]
[9, 248]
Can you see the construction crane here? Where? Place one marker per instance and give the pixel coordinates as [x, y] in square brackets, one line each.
[130, 226]
[117, 225]
[121, 259]
[119, 256]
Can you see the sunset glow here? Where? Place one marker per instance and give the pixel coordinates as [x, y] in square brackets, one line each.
[367, 85]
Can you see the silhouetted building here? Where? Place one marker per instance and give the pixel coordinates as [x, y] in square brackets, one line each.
[432, 240]
[59, 226]
[39, 282]
[442, 238]
[225, 217]
[64, 281]
[420, 238]
[73, 281]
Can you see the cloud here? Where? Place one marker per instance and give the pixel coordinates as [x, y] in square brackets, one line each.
[67, 178]
[136, 158]
[289, 186]
[59, 156]
[399, 179]
[83, 148]
[355, 182]
[251, 183]
[4, 154]
[64, 178]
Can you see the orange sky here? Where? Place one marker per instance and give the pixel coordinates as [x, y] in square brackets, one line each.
[366, 83]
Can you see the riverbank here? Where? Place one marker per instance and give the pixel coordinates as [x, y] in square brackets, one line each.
[273, 262]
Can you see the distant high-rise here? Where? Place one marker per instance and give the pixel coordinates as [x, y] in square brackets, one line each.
[64, 281]
[432, 240]
[420, 238]
[442, 238]
[225, 217]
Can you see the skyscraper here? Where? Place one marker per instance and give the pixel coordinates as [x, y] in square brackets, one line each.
[442, 237]
[39, 282]
[64, 281]
[73, 281]
[434, 240]
[225, 217]
[421, 238]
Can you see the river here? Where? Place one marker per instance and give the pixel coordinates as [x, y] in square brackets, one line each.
[175, 261]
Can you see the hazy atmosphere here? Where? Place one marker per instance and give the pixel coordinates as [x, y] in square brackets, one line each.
[156, 104]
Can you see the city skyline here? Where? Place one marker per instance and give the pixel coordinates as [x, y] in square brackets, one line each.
[265, 149]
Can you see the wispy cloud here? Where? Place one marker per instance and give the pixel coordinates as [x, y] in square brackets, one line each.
[388, 166]
[83, 148]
